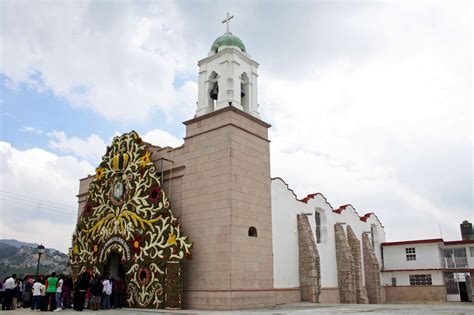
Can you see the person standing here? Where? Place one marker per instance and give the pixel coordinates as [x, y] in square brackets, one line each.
[80, 292]
[66, 294]
[8, 295]
[96, 291]
[43, 300]
[28, 284]
[51, 291]
[36, 290]
[59, 290]
[107, 291]
[119, 287]
[16, 293]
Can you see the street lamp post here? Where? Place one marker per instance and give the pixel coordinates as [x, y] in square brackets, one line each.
[40, 249]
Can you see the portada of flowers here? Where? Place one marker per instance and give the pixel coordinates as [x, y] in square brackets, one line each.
[129, 215]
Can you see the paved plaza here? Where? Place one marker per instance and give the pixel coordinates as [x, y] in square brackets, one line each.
[301, 308]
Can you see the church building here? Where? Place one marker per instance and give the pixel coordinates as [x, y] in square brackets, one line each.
[205, 226]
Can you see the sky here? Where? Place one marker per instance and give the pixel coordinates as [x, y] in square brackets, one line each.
[370, 102]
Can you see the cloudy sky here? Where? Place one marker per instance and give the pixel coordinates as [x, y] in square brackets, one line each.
[370, 102]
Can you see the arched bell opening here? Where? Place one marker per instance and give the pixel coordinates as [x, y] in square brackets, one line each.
[213, 91]
[244, 92]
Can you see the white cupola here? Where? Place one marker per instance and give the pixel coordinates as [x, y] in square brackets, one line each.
[227, 77]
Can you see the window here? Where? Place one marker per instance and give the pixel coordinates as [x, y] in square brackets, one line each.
[410, 252]
[252, 231]
[420, 280]
[471, 249]
[317, 217]
[394, 282]
[372, 234]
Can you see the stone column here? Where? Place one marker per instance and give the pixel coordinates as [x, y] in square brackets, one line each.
[345, 267]
[354, 244]
[309, 264]
[372, 271]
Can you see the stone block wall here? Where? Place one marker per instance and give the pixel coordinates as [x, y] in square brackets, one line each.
[372, 271]
[354, 244]
[220, 187]
[416, 294]
[309, 263]
[345, 266]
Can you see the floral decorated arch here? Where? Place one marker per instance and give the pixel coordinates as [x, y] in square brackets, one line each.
[127, 214]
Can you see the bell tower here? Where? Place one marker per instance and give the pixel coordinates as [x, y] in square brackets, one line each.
[227, 76]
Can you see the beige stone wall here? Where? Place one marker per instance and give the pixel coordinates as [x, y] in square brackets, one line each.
[372, 271]
[219, 185]
[415, 294]
[329, 296]
[309, 263]
[345, 267]
[354, 245]
[284, 296]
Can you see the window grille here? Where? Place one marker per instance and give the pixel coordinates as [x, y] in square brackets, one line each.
[420, 280]
[411, 253]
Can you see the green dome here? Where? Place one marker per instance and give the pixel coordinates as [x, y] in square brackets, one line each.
[227, 39]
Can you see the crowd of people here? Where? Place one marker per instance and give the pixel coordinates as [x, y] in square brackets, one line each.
[55, 293]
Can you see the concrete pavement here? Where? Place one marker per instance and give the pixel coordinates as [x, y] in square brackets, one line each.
[299, 308]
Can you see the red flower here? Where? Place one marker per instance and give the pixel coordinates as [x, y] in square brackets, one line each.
[88, 208]
[143, 276]
[155, 194]
[136, 243]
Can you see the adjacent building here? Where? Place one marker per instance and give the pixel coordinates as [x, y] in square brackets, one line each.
[428, 270]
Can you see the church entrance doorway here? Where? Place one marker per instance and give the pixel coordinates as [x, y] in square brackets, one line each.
[114, 266]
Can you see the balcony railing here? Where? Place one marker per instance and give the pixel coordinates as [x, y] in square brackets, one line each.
[455, 262]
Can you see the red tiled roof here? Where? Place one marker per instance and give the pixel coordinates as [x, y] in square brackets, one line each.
[363, 218]
[426, 241]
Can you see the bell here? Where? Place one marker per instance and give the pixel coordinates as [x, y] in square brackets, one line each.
[242, 92]
[215, 91]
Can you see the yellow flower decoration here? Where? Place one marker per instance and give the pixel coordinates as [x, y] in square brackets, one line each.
[75, 249]
[99, 173]
[96, 248]
[136, 244]
[171, 239]
[145, 159]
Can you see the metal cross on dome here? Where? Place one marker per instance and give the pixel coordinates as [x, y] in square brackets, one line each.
[226, 20]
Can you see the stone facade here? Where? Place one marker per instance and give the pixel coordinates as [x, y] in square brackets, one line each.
[345, 266]
[418, 294]
[354, 244]
[219, 186]
[372, 271]
[309, 264]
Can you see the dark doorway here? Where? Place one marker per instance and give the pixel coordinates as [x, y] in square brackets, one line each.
[463, 292]
[114, 266]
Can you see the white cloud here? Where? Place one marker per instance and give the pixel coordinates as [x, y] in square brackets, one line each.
[31, 130]
[91, 148]
[391, 133]
[34, 182]
[122, 61]
[370, 104]
[162, 138]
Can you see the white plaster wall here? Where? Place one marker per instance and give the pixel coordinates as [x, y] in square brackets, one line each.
[427, 256]
[285, 237]
[285, 207]
[403, 277]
